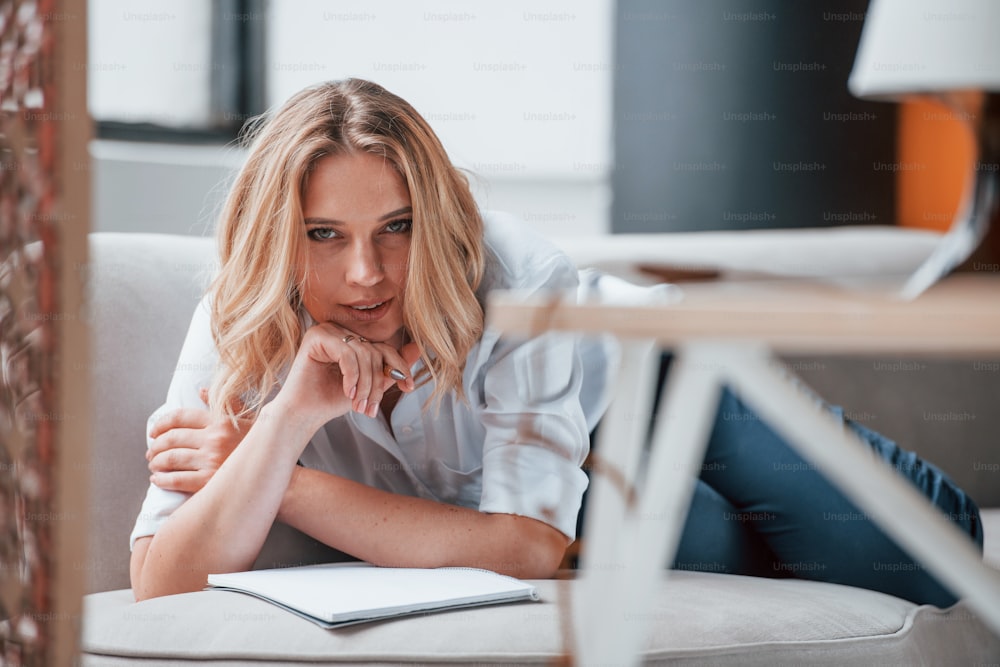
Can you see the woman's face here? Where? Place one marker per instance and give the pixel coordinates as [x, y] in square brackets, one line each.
[358, 219]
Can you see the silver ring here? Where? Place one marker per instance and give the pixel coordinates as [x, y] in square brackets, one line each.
[348, 338]
[363, 339]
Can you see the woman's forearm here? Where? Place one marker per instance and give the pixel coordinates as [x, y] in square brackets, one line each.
[402, 531]
[222, 527]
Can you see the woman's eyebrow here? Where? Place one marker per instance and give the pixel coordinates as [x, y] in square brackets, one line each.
[398, 211]
[331, 221]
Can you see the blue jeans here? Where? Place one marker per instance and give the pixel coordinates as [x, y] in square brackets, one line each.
[760, 509]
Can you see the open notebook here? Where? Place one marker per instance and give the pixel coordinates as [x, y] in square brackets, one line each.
[338, 594]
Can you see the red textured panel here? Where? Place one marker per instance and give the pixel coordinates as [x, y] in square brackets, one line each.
[27, 298]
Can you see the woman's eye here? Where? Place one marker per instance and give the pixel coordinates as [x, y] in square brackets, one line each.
[321, 233]
[399, 226]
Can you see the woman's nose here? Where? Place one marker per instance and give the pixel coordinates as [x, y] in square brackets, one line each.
[364, 265]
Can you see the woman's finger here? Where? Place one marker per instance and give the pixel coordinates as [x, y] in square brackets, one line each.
[400, 362]
[332, 345]
[174, 460]
[379, 383]
[180, 418]
[395, 368]
[361, 351]
[185, 481]
[175, 438]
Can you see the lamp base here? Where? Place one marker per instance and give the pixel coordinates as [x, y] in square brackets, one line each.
[986, 256]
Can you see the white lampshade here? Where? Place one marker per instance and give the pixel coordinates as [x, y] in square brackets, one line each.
[927, 46]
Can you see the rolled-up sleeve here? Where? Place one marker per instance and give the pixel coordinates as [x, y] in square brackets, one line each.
[195, 368]
[536, 432]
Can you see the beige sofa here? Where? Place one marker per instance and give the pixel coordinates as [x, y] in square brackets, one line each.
[143, 289]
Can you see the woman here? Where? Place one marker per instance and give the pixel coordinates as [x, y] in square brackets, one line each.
[355, 396]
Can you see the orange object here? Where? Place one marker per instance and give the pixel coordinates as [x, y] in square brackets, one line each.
[937, 154]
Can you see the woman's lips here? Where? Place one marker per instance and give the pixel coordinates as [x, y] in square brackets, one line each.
[365, 313]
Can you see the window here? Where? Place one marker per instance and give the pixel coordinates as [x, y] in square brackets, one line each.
[174, 70]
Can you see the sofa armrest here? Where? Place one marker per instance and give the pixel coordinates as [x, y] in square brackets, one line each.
[142, 290]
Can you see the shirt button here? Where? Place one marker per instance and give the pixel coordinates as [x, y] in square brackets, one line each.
[407, 430]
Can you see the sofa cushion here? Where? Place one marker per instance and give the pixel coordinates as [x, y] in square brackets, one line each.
[697, 618]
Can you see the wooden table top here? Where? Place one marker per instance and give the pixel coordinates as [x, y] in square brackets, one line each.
[959, 315]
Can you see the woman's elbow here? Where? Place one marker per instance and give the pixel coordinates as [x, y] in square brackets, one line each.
[136, 565]
[537, 549]
[141, 594]
[545, 563]
[147, 584]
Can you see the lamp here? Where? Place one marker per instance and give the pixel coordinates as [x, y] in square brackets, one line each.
[951, 52]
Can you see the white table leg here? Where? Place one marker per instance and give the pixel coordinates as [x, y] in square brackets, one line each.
[890, 500]
[651, 531]
[621, 440]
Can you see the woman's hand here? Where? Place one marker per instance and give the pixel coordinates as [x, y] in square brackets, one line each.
[336, 371]
[188, 447]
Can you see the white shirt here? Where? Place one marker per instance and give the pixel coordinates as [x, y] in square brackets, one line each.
[516, 445]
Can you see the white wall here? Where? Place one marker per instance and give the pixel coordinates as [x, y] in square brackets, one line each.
[519, 88]
[519, 92]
